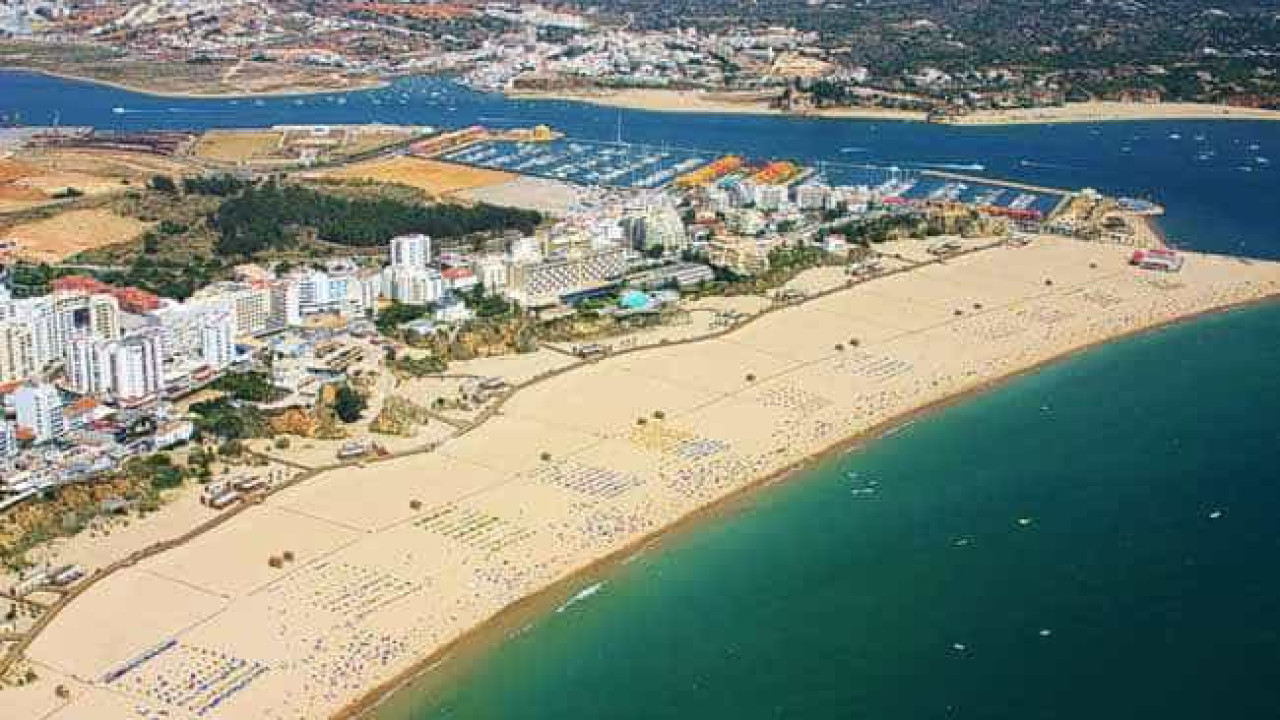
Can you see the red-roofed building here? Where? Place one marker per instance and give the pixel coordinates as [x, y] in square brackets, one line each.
[131, 299]
[459, 278]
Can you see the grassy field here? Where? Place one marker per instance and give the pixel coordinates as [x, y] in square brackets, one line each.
[280, 148]
[238, 146]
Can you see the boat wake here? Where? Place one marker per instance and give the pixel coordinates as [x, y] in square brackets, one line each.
[971, 167]
[581, 595]
[1050, 166]
[194, 111]
[962, 167]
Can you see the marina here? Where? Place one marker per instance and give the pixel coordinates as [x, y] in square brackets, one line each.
[583, 162]
[650, 167]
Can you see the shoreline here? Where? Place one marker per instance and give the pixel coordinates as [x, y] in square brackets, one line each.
[679, 102]
[375, 84]
[1107, 111]
[704, 102]
[488, 635]
[776, 439]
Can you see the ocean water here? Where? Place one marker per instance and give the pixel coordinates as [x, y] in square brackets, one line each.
[1097, 540]
[1215, 177]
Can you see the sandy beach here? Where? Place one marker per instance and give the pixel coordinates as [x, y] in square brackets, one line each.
[697, 101]
[394, 561]
[1114, 111]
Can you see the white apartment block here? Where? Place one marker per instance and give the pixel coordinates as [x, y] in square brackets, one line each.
[84, 314]
[18, 358]
[254, 310]
[812, 197]
[88, 366]
[186, 329]
[130, 370]
[39, 409]
[740, 255]
[217, 342]
[8, 440]
[544, 283]
[412, 285]
[286, 304]
[770, 197]
[662, 227]
[526, 249]
[318, 292]
[41, 318]
[138, 367]
[411, 251]
[350, 293]
[492, 271]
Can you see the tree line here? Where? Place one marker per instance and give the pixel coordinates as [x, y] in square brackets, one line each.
[269, 216]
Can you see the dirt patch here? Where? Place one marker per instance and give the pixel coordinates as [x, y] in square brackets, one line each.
[236, 147]
[38, 176]
[431, 176]
[69, 233]
[11, 170]
[13, 194]
[113, 164]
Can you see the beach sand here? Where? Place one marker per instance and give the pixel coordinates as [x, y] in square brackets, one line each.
[698, 101]
[1112, 111]
[701, 101]
[397, 560]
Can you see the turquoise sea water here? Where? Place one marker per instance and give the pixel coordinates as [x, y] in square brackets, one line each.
[1147, 472]
[1143, 583]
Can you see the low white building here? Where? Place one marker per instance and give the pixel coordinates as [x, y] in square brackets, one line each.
[173, 433]
[770, 197]
[342, 288]
[493, 271]
[812, 197]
